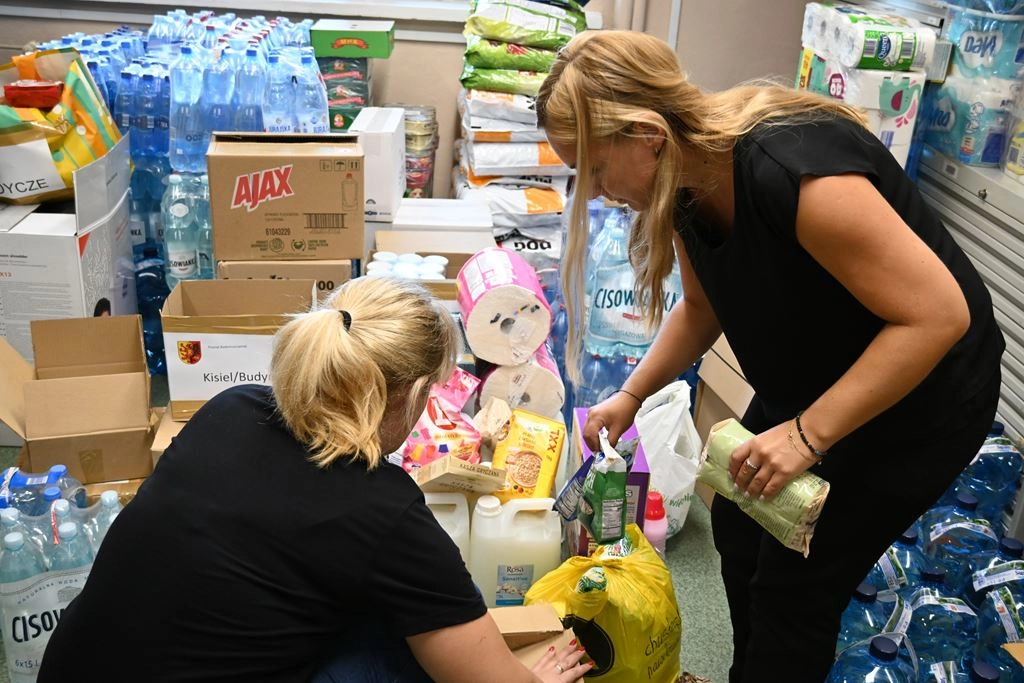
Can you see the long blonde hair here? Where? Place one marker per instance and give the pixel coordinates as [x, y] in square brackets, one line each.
[332, 384]
[604, 83]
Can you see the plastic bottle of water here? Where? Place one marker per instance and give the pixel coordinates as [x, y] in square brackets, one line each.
[279, 102]
[147, 104]
[994, 568]
[954, 534]
[942, 627]
[250, 85]
[20, 560]
[11, 521]
[1000, 622]
[863, 618]
[204, 228]
[151, 289]
[73, 551]
[50, 494]
[875, 662]
[311, 99]
[189, 137]
[124, 104]
[598, 381]
[181, 238]
[162, 135]
[110, 507]
[71, 489]
[218, 93]
[900, 565]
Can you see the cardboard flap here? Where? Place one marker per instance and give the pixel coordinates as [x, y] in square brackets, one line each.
[524, 625]
[255, 298]
[81, 405]
[296, 143]
[75, 345]
[15, 371]
[725, 378]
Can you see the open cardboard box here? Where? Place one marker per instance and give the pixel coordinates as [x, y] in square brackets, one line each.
[457, 247]
[329, 273]
[452, 474]
[85, 404]
[219, 334]
[165, 431]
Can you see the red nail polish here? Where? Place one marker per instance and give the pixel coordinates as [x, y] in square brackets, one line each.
[551, 649]
[572, 642]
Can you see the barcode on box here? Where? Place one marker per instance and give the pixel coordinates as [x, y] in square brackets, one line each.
[321, 221]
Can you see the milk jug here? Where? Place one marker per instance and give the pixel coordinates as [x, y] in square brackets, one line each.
[512, 546]
[452, 512]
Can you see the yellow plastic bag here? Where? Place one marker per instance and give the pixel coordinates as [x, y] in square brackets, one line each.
[621, 605]
[39, 150]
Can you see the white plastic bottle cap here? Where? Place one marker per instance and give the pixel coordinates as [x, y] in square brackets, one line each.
[427, 267]
[410, 257]
[109, 498]
[405, 270]
[436, 258]
[385, 256]
[67, 530]
[378, 267]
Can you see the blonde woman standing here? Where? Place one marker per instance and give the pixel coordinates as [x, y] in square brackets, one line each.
[864, 330]
[274, 542]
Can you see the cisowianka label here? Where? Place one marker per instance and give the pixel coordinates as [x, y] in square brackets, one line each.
[201, 365]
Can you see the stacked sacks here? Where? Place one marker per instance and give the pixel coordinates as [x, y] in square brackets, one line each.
[971, 114]
[503, 158]
[873, 61]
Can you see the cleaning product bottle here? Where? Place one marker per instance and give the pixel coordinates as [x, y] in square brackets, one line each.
[452, 512]
[655, 522]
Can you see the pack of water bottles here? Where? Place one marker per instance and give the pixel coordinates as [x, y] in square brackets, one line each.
[50, 536]
[951, 587]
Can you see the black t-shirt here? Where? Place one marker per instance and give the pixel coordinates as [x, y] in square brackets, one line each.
[793, 327]
[239, 560]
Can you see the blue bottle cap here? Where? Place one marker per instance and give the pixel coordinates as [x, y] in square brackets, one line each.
[997, 428]
[51, 493]
[865, 592]
[909, 537]
[966, 500]
[58, 471]
[883, 648]
[1009, 545]
[983, 672]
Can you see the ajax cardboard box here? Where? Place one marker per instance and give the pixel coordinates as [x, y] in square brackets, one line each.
[345, 38]
[85, 404]
[219, 333]
[69, 265]
[381, 132]
[275, 197]
[328, 273]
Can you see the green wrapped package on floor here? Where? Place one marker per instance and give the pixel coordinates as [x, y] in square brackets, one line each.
[502, 80]
[493, 54]
[790, 516]
[525, 22]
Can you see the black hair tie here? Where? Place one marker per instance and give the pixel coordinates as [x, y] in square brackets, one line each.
[346, 319]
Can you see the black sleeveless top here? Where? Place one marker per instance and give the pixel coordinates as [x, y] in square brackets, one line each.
[793, 327]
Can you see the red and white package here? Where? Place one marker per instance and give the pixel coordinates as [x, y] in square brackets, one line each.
[443, 429]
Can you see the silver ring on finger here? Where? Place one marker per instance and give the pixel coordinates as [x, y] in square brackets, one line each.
[751, 466]
[560, 669]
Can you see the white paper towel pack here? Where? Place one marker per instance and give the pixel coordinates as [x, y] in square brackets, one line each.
[504, 312]
[534, 385]
[865, 40]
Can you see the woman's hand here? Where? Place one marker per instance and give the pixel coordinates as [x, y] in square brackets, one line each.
[616, 413]
[763, 465]
[562, 666]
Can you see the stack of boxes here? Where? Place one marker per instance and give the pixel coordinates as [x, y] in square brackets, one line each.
[344, 50]
[869, 60]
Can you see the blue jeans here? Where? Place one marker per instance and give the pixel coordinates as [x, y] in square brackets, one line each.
[373, 656]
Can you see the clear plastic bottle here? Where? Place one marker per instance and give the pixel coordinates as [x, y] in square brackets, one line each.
[189, 137]
[250, 85]
[863, 618]
[151, 289]
[204, 228]
[71, 489]
[124, 103]
[597, 383]
[901, 564]
[1000, 622]
[875, 662]
[955, 533]
[279, 101]
[942, 627]
[73, 551]
[311, 99]
[19, 560]
[181, 239]
[985, 571]
[218, 94]
[110, 507]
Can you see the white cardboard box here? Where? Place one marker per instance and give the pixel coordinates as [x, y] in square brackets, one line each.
[381, 132]
[443, 214]
[62, 265]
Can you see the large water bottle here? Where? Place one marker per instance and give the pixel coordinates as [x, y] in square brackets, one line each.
[73, 551]
[51, 494]
[951, 672]
[900, 565]
[993, 568]
[20, 559]
[954, 534]
[189, 136]
[311, 98]
[124, 103]
[598, 381]
[1000, 622]
[70, 488]
[250, 85]
[865, 617]
[218, 94]
[147, 104]
[877, 661]
[204, 229]
[942, 627]
[11, 521]
[110, 507]
[279, 101]
[181, 238]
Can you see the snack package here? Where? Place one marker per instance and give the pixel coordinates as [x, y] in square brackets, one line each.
[524, 22]
[443, 429]
[494, 54]
[602, 504]
[790, 516]
[502, 80]
[529, 449]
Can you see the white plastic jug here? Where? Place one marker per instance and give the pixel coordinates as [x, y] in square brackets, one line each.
[452, 512]
[512, 546]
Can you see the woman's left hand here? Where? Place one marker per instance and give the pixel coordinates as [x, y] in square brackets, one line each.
[763, 465]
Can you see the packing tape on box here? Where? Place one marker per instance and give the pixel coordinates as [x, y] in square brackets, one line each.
[534, 385]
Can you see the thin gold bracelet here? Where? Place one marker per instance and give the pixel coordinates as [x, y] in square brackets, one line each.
[792, 442]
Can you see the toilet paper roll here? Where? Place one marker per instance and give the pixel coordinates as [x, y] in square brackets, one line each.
[504, 312]
[987, 45]
[969, 118]
[866, 45]
[534, 385]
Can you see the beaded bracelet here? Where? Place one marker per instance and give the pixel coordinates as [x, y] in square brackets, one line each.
[629, 393]
[803, 437]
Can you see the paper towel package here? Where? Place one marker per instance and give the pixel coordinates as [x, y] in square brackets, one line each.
[504, 311]
[535, 385]
[969, 119]
[859, 39]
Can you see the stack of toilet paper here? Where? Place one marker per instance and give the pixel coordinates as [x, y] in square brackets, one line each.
[507, 319]
[972, 114]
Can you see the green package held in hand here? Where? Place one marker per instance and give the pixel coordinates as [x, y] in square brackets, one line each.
[790, 516]
[602, 505]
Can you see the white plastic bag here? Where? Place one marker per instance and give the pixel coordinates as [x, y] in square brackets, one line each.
[672, 448]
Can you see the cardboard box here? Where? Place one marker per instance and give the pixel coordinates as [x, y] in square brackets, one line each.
[165, 431]
[443, 214]
[345, 38]
[63, 265]
[451, 474]
[125, 488]
[328, 274]
[523, 625]
[219, 333]
[638, 481]
[381, 132]
[275, 197]
[85, 404]
[722, 392]
[455, 246]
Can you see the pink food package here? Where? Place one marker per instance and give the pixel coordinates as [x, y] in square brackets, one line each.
[443, 429]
